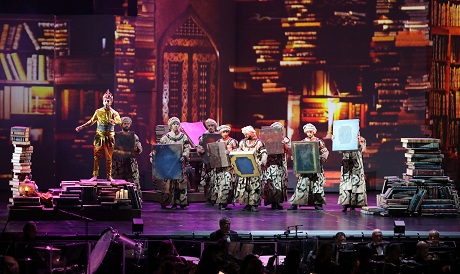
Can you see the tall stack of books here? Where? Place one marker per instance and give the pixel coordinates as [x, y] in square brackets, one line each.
[436, 195]
[301, 28]
[21, 158]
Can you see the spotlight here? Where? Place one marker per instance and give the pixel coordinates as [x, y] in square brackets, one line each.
[399, 228]
[138, 226]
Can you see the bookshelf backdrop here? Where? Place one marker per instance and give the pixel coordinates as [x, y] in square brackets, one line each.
[444, 96]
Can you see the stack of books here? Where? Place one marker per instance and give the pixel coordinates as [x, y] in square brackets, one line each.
[436, 194]
[21, 158]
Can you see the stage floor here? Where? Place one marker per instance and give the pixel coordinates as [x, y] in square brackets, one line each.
[199, 219]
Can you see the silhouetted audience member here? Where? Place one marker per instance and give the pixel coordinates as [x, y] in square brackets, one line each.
[10, 265]
[340, 244]
[324, 259]
[209, 262]
[419, 263]
[292, 262]
[253, 265]
[167, 257]
[363, 262]
[224, 231]
[26, 250]
[246, 259]
[392, 259]
[377, 245]
[227, 262]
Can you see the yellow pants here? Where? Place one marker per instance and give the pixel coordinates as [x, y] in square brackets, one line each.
[106, 144]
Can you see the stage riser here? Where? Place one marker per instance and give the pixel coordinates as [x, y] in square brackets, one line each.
[96, 214]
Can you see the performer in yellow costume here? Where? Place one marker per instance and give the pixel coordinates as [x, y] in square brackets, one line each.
[104, 140]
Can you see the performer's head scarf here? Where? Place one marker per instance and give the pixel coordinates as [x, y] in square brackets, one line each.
[172, 120]
[248, 130]
[126, 119]
[223, 128]
[308, 127]
[276, 125]
[210, 122]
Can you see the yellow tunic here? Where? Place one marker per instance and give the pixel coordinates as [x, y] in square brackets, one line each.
[104, 139]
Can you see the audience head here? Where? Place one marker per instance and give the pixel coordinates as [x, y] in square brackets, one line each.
[421, 250]
[393, 252]
[340, 239]
[29, 231]
[377, 236]
[166, 248]
[325, 252]
[252, 265]
[224, 224]
[433, 237]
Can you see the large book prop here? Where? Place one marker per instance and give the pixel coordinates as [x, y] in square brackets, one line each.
[306, 157]
[272, 138]
[166, 162]
[244, 163]
[193, 131]
[209, 138]
[124, 145]
[217, 155]
[345, 135]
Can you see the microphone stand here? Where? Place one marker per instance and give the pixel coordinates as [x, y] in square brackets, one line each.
[81, 217]
[87, 220]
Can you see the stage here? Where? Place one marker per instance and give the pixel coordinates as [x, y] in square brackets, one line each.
[199, 219]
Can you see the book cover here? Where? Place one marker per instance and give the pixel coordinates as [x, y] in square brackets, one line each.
[4, 36]
[6, 69]
[14, 72]
[18, 65]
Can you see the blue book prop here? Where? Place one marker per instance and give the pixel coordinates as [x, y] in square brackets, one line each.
[244, 163]
[345, 135]
[306, 157]
[166, 161]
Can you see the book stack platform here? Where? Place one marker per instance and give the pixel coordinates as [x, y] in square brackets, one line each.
[436, 194]
[21, 158]
[395, 197]
[99, 200]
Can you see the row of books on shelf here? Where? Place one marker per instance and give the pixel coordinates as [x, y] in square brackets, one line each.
[26, 100]
[38, 67]
[437, 103]
[445, 13]
[53, 36]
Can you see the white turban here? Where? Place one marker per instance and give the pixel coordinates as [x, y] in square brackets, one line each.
[276, 125]
[248, 130]
[223, 128]
[210, 122]
[309, 127]
[126, 119]
[172, 120]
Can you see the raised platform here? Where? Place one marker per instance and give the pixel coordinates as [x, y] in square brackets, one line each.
[98, 200]
[91, 212]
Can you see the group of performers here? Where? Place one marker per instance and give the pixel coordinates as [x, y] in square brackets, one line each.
[221, 185]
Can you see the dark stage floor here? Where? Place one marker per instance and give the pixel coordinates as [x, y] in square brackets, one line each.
[199, 219]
